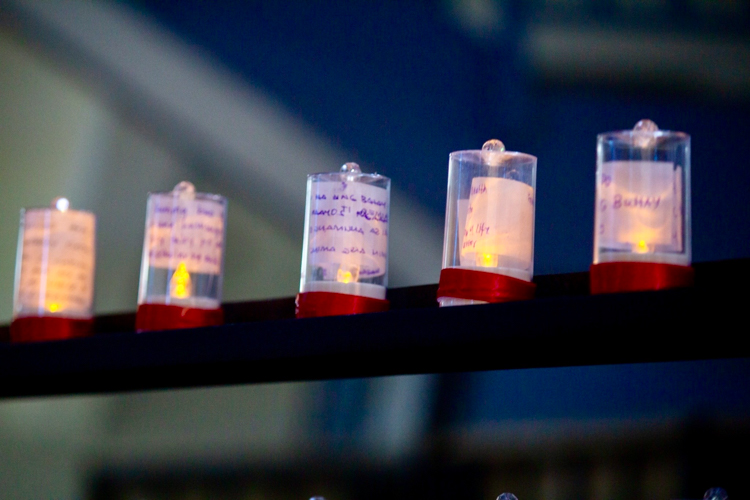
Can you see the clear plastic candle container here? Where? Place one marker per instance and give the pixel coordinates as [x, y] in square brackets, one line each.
[54, 285]
[643, 196]
[489, 226]
[183, 259]
[345, 249]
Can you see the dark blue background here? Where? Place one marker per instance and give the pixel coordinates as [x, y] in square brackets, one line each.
[400, 86]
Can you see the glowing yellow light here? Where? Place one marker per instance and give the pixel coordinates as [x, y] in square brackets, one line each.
[641, 247]
[53, 307]
[180, 286]
[486, 260]
[344, 276]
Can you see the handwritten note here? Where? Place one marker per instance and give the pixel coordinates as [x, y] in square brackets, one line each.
[499, 226]
[57, 262]
[639, 206]
[348, 228]
[189, 232]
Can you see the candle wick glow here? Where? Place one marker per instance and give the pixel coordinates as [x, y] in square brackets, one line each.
[180, 286]
[641, 247]
[487, 260]
[350, 276]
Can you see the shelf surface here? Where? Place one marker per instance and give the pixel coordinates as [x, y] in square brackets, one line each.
[563, 326]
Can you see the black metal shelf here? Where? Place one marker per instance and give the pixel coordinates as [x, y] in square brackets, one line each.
[563, 327]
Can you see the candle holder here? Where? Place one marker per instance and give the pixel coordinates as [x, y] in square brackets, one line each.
[642, 221]
[345, 249]
[488, 250]
[183, 260]
[54, 285]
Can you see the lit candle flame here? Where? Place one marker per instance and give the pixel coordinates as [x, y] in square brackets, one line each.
[641, 247]
[347, 274]
[180, 286]
[53, 307]
[344, 276]
[488, 260]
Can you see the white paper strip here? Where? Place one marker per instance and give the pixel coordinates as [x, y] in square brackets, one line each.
[499, 224]
[189, 232]
[57, 262]
[348, 229]
[639, 206]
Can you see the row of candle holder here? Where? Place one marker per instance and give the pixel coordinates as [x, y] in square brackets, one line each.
[641, 240]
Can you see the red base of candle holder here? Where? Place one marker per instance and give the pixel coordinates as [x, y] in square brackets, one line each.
[316, 304]
[484, 286]
[42, 328]
[614, 277]
[151, 317]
